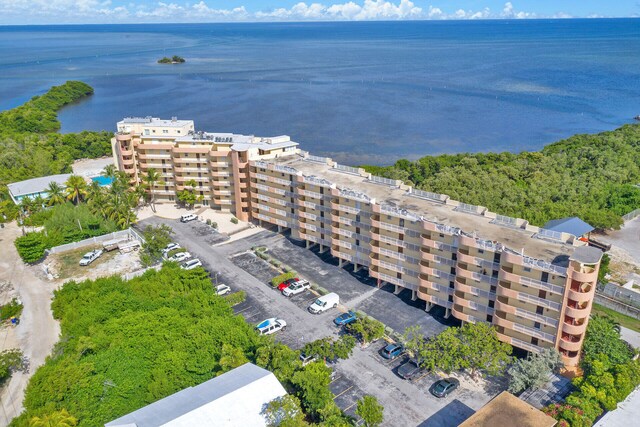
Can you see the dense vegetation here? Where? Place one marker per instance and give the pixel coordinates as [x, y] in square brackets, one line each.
[126, 344]
[533, 372]
[610, 374]
[473, 346]
[10, 361]
[175, 59]
[30, 146]
[589, 176]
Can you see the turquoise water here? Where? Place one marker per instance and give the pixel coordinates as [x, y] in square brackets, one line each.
[102, 180]
[361, 92]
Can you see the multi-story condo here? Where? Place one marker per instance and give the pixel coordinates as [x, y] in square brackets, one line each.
[535, 286]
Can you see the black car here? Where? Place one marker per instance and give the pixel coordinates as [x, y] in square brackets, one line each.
[409, 370]
[443, 387]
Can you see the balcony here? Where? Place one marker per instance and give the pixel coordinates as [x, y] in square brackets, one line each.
[460, 315]
[189, 160]
[506, 291]
[124, 152]
[123, 137]
[188, 169]
[580, 293]
[574, 327]
[344, 208]
[220, 174]
[518, 343]
[501, 320]
[502, 304]
[578, 311]
[475, 276]
[422, 293]
[570, 342]
[478, 262]
[386, 226]
[511, 258]
[587, 274]
[335, 251]
[459, 299]
[201, 150]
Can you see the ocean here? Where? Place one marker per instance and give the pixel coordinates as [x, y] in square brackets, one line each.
[362, 92]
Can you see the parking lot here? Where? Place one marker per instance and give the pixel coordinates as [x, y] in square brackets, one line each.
[407, 403]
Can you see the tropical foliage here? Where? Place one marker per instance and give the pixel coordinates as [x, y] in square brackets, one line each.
[533, 372]
[589, 176]
[610, 374]
[331, 349]
[10, 360]
[370, 411]
[188, 196]
[156, 238]
[473, 346]
[366, 329]
[125, 344]
[29, 146]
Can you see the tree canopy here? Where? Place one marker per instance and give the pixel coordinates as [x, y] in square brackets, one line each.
[593, 177]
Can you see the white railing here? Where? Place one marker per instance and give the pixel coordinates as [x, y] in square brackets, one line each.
[262, 176]
[428, 195]
[542, 285]
[308, 226]
[539, 264]
[534, 332]
[392, 241]
[392, 254]
[392, 267]
[344, 244]
[465, 207]
[543, 233]
[391, 227]
[383, 181]
[350, 194]
[342, 232]
[346, 208]
[524, 297]
[347, 169]
[312, 179]
[306, 204]
[316, 159]
[401, 213]
[537, 317]
[308, 193]
[343, 220]
[343, 256]
[307, 215]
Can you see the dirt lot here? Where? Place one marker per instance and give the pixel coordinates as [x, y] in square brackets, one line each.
[65, 265]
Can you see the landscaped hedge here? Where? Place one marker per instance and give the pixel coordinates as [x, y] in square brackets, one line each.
[236, 298]
[282, 277]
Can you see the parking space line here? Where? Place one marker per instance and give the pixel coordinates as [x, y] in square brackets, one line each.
[343, 392]
[350, 406]
[244, 309]
[336, 378]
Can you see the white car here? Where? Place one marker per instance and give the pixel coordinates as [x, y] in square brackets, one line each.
[89, 257]
[191, 264]
[271, 326]
[188, 217]
[170, 247]
[222, 289]
[180, 256]
[296, 288]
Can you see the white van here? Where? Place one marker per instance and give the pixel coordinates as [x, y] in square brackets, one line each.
[324, 303]
[188, 217]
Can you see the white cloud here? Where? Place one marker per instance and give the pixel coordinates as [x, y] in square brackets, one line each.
[103, 11]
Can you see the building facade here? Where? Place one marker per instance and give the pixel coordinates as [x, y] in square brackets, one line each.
[535, 286]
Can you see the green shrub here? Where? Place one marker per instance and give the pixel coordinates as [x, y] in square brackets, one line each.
[214, 225]
[172, 252]
[13, 308]
[366, 329]
[274, 262]
[234, 220]
[262, 255]
[208, 221]
[31, 246]
[282, 277]
[9, 361]
[236, 298]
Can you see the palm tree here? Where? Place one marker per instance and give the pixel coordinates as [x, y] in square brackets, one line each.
[38, 203]
[76, 188]
[55, 419]
[56, 194]
[151, 179]
[109, 171]
[95, 196]
[140, 192]
[27, 204]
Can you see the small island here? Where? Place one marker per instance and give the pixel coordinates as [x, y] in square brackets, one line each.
[173, 60]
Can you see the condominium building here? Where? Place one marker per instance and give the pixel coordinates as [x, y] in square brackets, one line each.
[535, 286]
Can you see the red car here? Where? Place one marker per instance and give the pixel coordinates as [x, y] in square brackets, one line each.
[284, 285]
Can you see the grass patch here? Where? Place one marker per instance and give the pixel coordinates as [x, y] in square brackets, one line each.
[67, 263]
[624, 320]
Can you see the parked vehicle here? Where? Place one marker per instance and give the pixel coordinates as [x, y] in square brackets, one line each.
[180, 256]
[409, 370]
[191, 264]
[112, 245]
[188, 217]
[296, 288]
[307, 359]
[222, 289]
[170, 247]
[392, 351]
[89, 257]
[345, 318]
[444, 387]
[271, 326]
[324, 303]
[284, 285]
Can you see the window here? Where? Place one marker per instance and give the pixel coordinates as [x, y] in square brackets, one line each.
[357, 242]
[489, 318]
[491, 303]
[480, 251]
[493, 289]
[401, 222]
[534, 341]
[527, 269]
[450, 298]
[451, 285]
[358, 218]
[441, 235]
[536, 325]
[165, 131]
[539, 310]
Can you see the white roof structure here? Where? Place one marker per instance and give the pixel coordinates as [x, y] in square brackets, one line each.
[626, 414]
[35, 186]
[236, 398]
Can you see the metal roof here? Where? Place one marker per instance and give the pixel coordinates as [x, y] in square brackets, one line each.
[191, 399]
[572, 225]
[36, 185]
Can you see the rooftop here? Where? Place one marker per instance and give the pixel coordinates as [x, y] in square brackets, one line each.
[36, 185]
[587, 255]
[626, 414]
[155, 121]
[238, 142]
[507, 410]
[515, 238]
[572, 225]
[258, 385]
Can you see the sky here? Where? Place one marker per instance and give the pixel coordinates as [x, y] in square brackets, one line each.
[23, 12]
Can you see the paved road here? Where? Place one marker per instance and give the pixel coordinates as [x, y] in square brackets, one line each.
[37, 332]
[262, 301]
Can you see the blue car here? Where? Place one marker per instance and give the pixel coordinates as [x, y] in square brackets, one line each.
[392, 351]
[345, 318]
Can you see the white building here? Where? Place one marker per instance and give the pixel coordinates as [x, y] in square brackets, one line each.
[236, 398]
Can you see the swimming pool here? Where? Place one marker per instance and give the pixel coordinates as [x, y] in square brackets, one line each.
[102, 180]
